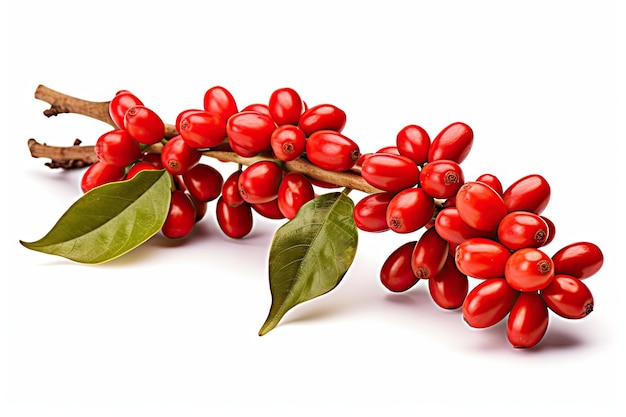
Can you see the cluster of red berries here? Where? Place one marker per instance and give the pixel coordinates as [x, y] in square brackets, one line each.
[282, 130]
[473, 229]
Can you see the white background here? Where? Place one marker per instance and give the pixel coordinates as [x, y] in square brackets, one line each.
[171, 328]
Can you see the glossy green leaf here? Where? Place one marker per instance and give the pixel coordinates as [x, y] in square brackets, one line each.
[110, 220]
[310, 254]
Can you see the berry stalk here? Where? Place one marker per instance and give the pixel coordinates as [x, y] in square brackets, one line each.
[77, 156]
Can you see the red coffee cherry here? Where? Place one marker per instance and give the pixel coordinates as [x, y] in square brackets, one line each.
[294, 191]
[409, 210]
[322, 117]
[429, 255]
[178, 157]
[523, 229]
[259, 182]
[396, 273]
[480, 206]
[288, 142]
[370, 213]
[200, 206]
[100, 173]
[492, 181]
[441, 178]
[203, 182]
[413, 142]
[488, 303]
[530, 193]
[119, 105]
[202, 129]
[454, 143]
[568, 297]
[449, 287]
[390, 172]
[144, 125]
[528, 321]
[250, 131]
[137, 167]
[117, 147]
[151, 157]
[235, 221]
[332, 150]
[452, 228]
[230, 190]
[529, 269]
[285, 106]
[269, 209]
[551, 228]
[259, 108]
[219, 100]
[579, 259]
[481, 258]
[181, 216]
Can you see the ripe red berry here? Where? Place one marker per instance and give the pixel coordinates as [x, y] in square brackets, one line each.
[235, 221]
[529, 269]
[181, 216]
[409, 210]
[332, 151]
[441, 178]
[203, 182]
[396, 273]
[568, 297]
[528, 320]
[259, 182]
[230, 190]
[220, 101]
[452, 228]
[480, 206]
[259, 108]
[119, 105]
[530, 193]
[269, 209]
[138, 167]
[250, 131]
[454, 142]
[523, 229]
[481, 258]
[285, 106]
[488, 303]
[413, 142]
[202, 129]
[429, 255]
[449, 287]
[294, 191]
[370, 213]
[178, 157]
[492, 181]
[390, 172]
[117, 147]
[144, 125]
[288, 142]
[322, 117]
[100, 173]
[579, 259]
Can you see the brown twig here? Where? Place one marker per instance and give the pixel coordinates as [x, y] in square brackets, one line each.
[77, 156]
[99, 110]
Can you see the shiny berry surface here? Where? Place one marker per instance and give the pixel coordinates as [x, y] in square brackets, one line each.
[396, 273]
[332, 151]
[390, 172]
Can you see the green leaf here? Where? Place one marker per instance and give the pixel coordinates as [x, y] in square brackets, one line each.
[110, 220]
[310, 254]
